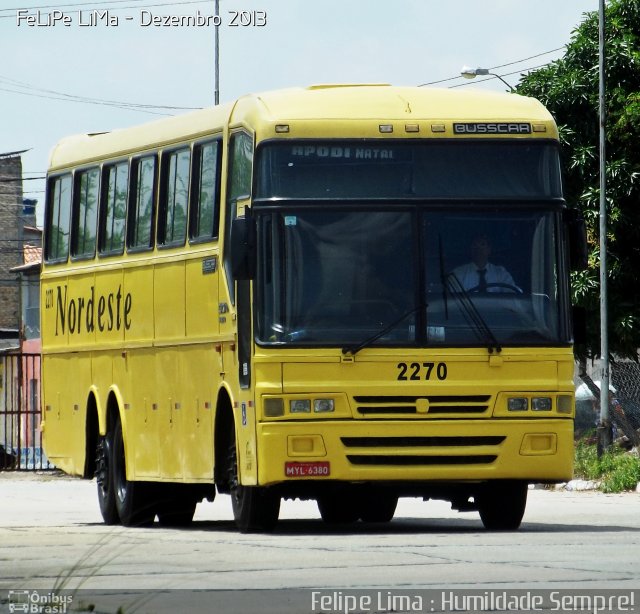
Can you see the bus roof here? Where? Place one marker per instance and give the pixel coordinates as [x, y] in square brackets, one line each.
[336, 106]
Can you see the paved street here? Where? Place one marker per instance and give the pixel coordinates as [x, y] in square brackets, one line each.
[51, 534]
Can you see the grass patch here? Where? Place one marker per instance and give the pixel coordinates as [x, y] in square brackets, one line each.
[616, 470]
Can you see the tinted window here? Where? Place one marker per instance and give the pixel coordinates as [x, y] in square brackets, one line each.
[141, 216]
[422, 169]
[112, 226]
[239, 186]
[206, 177]
[85, 213]
[58, 218]
[175, 198]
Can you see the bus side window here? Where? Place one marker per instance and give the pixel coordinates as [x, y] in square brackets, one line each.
[205, 192]
[174, 198]
[238, 188]
[113, 210]
[58, 219]
[141, 204]
[85, 213]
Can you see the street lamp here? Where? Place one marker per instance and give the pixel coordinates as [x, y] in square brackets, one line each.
[605, 435]
[216, 51]
[471, 73]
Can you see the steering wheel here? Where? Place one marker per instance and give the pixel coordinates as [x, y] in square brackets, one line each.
[509, 287]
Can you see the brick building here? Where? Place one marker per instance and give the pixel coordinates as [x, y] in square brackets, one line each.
[11, 238]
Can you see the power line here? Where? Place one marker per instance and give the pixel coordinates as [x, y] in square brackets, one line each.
[103, 3]
[57, 6]
[56, 95]
[17, 179]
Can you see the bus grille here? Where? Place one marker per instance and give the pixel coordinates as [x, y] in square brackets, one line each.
[436, 406]
[477, 459]
[390, 457]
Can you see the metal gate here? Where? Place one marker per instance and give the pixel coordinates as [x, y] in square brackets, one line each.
[20, 436]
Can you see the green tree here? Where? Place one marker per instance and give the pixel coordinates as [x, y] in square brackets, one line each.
[569, 89]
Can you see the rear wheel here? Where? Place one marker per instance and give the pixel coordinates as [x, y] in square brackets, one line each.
[134, 500]
[176, 504]
[255, 508]
[502, 505]
[104, 479]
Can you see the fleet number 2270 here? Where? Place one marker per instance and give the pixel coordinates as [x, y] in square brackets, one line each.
[416, 371]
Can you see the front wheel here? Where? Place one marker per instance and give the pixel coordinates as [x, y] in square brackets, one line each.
[339, 507]
[255, 508]
[134, 500]
[378, 507]
[502, 505]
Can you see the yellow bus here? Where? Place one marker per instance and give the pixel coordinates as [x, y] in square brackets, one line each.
[343, 293]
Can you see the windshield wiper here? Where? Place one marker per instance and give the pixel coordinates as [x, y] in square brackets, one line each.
[472, 315]
[443, 278]
[354, 349]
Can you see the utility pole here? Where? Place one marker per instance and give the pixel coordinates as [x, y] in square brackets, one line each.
[605, 435]
[216, 65]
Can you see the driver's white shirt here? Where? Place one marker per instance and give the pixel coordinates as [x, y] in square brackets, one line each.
[469, 278]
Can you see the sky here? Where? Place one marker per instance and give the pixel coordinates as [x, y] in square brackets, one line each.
[78, 66]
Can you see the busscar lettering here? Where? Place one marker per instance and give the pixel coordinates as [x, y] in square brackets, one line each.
[79, 314]
[492, 128]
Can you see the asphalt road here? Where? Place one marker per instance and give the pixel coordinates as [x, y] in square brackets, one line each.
[51, 535]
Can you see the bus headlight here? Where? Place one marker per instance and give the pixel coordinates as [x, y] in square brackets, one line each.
[518, 404]
[273, 408]
[300, 406]
[541, 404]
[321, 406]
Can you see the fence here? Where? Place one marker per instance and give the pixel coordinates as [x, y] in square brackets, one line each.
[624, 400]
[20, 436]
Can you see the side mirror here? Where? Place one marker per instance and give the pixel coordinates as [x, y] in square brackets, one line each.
[243, 247]
[577, 233]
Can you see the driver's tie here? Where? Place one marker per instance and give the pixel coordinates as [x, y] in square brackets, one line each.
[482, 285]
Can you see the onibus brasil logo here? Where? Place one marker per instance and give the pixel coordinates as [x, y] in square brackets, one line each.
[35, 602]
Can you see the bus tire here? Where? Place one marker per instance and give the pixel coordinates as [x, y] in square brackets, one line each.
[502, 505]
[339, 508]
[378, 507]
[134, 500]
[255, 508]
[176, 505]
[104, 479]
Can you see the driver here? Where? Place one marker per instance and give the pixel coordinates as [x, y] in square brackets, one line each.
[480, 275]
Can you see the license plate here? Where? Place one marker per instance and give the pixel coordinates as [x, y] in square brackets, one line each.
[307, 469]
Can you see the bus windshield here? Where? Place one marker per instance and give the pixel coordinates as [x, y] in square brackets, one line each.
[418, 169]
[420, 275]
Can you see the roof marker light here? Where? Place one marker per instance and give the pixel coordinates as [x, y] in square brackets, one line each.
[386, 128]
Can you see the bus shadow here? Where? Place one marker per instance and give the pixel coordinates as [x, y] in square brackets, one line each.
[405, 526]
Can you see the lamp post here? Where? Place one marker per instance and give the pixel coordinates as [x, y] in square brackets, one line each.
[216, 60]
[605, 435]
[471, 73]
